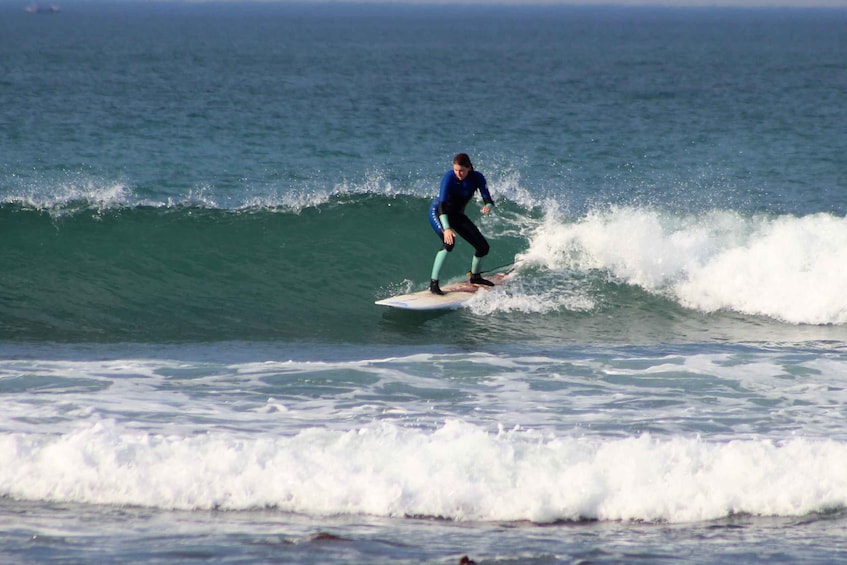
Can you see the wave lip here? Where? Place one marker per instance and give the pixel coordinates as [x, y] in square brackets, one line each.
[72, 196]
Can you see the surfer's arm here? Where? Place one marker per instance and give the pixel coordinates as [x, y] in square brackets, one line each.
[486, 196]
[449, 234]
[443, 195]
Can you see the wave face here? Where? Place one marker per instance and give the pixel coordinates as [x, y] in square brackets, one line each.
[116, 269]
[191, 272]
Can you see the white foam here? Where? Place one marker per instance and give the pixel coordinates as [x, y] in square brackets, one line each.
[56, 196]
[517, 296]
[74, 191]
[459, 471]
[788, 268]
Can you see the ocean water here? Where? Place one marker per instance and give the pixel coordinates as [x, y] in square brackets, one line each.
[199, 205]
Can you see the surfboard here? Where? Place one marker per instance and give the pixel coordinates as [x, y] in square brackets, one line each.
[455, 296]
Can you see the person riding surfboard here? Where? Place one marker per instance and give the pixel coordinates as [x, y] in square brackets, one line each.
[447, 217]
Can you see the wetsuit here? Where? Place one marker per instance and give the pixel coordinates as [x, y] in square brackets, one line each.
[452, 199]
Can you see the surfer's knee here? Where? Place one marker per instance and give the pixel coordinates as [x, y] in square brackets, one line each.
[482, 249]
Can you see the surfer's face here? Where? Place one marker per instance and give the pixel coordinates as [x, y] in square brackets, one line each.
[460, 171]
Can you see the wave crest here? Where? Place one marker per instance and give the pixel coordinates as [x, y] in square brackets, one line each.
[787, 268]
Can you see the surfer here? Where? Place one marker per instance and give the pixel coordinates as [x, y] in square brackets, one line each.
[447, 216]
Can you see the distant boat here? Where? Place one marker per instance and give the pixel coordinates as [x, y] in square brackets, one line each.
[42, 8]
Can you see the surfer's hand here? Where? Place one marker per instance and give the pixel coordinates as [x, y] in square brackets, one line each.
[486, 209]
[449, 236]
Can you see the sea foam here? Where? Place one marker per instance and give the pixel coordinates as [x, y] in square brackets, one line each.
[459, 471]
[787, 268]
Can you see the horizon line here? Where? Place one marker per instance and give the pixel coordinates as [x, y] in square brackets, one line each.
[680, 4]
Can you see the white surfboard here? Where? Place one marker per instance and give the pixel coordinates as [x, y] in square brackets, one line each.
[455, 296]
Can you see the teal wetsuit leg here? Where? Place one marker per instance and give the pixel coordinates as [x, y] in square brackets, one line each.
[440, 257]
[476, 265]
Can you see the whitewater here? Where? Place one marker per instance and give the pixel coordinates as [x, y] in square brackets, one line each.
[324, 438]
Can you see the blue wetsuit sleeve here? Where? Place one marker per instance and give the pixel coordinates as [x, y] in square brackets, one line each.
[444, 192]
[483, 190]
